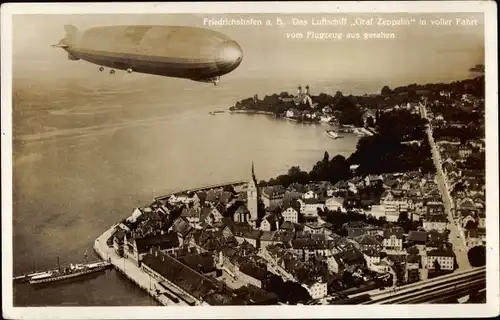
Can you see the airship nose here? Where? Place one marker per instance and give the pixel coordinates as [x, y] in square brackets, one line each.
[230, 55]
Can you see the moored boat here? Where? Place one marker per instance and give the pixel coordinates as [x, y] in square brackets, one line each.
[73, 271]
[332, 134]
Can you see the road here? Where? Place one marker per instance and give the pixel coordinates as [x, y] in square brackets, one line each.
[457, 237]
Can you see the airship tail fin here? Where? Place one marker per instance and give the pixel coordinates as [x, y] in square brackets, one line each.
[71, 30]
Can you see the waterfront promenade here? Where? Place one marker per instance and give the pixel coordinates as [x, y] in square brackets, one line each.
[128, 267]
[131, 270]
[457, 237]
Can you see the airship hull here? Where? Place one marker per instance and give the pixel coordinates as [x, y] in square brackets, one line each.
[182, 52]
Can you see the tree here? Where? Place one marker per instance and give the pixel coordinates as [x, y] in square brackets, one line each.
[477, 256]
[293, 171]
[326, 158]
[403, 217]
[338, 95]
[412, 250]
[319, 211]
[295, 293]
[436, 265]
[262, 183]
[229, 188]
[347, 279]
[370, 122]
[385, 91]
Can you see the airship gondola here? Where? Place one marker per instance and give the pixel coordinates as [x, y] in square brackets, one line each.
[171, 51]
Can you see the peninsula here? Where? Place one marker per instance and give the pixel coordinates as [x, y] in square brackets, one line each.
[407, 206]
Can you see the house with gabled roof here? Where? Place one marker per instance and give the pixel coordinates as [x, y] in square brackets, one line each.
[437, 239]
[137, 247]
[367, 241]
[191, 215]
[417, 238]
[291, 212]
[317, 288]
[270, 222]
[199, 198]
[390, 183]
[291, 226]
[206, 216]
[182, 228]
[444, 257]
[334, 203]
[218, 211]
[393, 239]
[212, 197]
[273, 195]
[372, 256]
[242, 214]
[309, 207]
[225, 197]
[435, 222]
[373, 179]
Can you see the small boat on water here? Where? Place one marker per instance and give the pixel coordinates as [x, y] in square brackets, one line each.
[213, 113]
[332, 134]
[73, 271]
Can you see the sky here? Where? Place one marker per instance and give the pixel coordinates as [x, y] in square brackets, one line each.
[422, 52]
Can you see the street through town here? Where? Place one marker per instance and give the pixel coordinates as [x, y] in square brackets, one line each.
[457, 238]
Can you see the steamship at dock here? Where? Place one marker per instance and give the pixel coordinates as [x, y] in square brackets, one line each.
[59, 274]
[73, 271]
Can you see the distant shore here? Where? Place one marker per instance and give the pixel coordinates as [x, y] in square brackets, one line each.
[252, 112]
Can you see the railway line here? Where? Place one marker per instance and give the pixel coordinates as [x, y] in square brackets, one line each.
[435, 289]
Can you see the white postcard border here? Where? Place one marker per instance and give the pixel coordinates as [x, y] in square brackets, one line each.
[482, 310]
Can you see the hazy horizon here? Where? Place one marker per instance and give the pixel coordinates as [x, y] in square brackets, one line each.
[46, 85]
[89, 147]
[417, 52]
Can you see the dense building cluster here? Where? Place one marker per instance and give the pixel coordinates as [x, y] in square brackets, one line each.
[284, 243]
[221, 240]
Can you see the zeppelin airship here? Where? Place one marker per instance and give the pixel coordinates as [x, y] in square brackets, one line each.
[171, 51]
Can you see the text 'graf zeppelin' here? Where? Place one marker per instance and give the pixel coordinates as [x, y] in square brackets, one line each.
[381, 22]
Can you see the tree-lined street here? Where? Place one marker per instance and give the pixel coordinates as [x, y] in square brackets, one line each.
[457, 237]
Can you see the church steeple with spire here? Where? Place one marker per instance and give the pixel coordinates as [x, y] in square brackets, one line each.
[252, 198]
[253, 173]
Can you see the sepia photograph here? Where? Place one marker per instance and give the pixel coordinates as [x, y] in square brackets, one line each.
[295, 154]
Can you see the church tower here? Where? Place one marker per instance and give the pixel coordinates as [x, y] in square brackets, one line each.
[252, 198]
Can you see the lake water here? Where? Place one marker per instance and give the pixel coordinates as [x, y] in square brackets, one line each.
[89, 147]
[85, 155]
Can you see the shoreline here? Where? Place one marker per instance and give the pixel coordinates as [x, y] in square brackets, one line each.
[128, 268]
[251, 112]
[268, 113]
[358, 131]
[138, 277]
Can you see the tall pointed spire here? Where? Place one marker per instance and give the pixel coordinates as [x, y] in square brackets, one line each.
[253, 172]
[252, 197]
